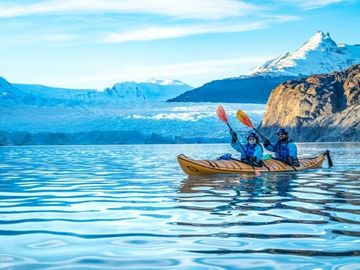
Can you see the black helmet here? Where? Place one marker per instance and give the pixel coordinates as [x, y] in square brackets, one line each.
[253, 135]
[282, 131]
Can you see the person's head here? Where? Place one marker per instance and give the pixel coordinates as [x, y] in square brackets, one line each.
[282, 134]
[252, 138]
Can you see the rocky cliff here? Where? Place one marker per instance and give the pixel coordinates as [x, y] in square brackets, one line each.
[317, 108]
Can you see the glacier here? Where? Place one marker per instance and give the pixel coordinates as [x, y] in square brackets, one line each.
[125, 123]
[128, 112]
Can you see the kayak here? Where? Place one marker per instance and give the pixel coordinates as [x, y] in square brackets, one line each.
[234, 166]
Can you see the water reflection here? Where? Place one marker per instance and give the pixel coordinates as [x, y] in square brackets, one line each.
[245, 185]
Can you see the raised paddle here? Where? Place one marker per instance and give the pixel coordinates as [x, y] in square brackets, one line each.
[223, 117]
[243, 118]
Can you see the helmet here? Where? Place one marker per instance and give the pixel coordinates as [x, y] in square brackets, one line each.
[253, 135]
[282, 131]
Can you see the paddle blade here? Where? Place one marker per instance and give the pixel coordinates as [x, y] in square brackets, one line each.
[243, 118]
[222, 114]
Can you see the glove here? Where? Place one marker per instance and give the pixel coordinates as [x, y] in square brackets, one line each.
[233, 136]
[294, 162]
[266, 142]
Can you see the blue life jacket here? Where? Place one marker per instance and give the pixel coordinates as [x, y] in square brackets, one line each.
[282, 150]
[250, 150]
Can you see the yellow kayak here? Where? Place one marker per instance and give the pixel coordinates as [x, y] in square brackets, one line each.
[233, 166]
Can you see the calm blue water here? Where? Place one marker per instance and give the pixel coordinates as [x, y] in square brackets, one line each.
[131, 207]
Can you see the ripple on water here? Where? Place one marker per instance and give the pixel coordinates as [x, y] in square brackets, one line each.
[131, 207]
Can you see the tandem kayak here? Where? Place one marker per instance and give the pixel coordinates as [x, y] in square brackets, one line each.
[233, 166]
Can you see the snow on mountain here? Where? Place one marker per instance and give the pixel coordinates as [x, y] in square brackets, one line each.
[165, 82]
[320, 54]
[154, 90]
[40, 95]
[52, 92]
[126, 113]
[9, 93]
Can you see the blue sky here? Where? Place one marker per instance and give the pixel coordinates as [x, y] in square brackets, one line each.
[96, 43]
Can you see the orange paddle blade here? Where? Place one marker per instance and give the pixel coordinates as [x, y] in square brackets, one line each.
[243, 118]
[221, 114]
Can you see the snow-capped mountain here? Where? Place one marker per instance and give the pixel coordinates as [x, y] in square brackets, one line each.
[320, 54]
[40, 95]
[154, 90]
[10, 93]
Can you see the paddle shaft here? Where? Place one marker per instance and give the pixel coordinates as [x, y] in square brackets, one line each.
[236, 138]
[262, 136]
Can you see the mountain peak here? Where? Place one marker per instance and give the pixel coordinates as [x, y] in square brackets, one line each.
[318, 41]
[164, 81]
[320, 54]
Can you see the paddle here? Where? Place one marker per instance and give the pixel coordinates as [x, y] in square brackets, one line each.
[243, 118]
[223, 117]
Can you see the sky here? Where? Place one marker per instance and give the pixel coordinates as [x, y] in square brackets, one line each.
[93, 44]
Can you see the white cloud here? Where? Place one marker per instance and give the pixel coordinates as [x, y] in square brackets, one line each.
[152, 33]
[199, 9]
[314, 3]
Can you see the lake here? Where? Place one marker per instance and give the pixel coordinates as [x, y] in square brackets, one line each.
[132, 207]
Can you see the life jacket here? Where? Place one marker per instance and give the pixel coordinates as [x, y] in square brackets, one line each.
[282, 150]
[250, 150]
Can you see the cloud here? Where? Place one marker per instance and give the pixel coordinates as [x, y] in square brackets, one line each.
[199, 9]
[153, 33]
[305, 4]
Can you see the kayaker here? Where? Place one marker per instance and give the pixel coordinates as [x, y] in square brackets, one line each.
[285, 150]
[251, 152]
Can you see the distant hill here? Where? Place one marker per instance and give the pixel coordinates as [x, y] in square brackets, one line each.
[248, 89]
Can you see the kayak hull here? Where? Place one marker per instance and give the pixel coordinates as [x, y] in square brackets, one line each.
[233, 166]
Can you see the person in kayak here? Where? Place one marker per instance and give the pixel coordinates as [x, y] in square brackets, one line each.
[285, 150]
[251, 152]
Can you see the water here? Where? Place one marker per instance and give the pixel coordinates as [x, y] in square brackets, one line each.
[131, 207]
